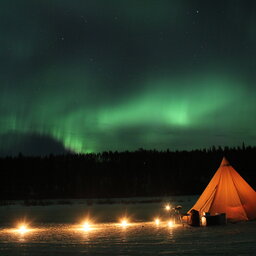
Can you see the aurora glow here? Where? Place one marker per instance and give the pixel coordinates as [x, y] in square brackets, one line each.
[89, 76]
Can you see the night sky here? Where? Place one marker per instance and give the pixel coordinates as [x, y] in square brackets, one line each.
[96, 75]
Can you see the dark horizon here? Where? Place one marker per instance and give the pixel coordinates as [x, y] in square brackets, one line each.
[119, 174]
[43, 143]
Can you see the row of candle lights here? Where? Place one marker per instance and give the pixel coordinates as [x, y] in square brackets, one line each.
[87, 225]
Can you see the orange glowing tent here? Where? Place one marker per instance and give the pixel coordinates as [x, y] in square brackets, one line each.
[228, 193]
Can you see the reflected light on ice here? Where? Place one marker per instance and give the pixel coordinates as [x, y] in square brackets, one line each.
[139, 238]
[124, 222]
[157, 221]
[170, 223]
[22, 229]
[86, 226]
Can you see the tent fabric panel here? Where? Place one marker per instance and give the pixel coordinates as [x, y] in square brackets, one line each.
[204, 202]
[227, 199]
[246, 193]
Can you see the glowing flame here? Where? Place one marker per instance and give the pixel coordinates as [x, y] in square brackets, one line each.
[22, 229]
[124, 223]
[203, 221]
[170, 223]
[157, 221]
[86, 226]
[167, 207]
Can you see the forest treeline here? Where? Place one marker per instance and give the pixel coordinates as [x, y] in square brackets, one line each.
[119, 174]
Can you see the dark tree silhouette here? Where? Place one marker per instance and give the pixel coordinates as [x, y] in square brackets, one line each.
[119, 174]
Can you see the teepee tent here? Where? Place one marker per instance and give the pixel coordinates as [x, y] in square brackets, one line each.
[228, 193]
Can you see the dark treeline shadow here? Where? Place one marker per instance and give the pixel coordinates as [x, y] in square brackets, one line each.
[119, 174]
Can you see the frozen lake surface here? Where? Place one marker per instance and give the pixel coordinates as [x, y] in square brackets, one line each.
[61, 232]
[137, 239]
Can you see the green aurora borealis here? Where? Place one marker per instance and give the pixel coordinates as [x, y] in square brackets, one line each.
[121, 75]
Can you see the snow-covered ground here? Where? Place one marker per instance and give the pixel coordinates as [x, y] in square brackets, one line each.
[56, 230]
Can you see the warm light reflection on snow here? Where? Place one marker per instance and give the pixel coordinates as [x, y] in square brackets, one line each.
[124, 222]
[157, 221]
[86, 226]
[140, 238]
[170, 223]
[22, 229]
